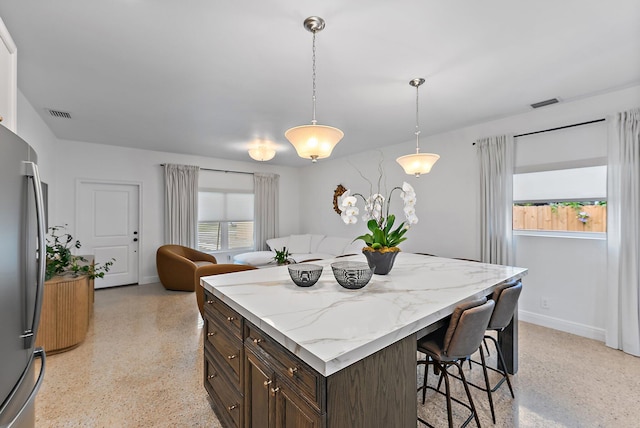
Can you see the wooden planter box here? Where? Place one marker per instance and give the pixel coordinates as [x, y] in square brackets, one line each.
[66, 309]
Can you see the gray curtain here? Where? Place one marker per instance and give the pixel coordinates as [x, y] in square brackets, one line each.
[266, 219]
[496, 199]
[181, 205]
[623, 233]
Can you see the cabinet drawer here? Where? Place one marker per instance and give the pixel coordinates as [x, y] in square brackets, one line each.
[227, 400]
[227, 350]
[286, 365]
[223, 315]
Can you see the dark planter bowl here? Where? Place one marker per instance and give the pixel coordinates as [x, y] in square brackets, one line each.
[381, 263]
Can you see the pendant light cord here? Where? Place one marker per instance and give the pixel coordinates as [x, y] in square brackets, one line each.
[313, 78]
[417, 122]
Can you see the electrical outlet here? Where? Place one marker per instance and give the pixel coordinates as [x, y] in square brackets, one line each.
[544, 303]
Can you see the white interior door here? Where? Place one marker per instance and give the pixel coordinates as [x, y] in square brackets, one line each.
[107, 218]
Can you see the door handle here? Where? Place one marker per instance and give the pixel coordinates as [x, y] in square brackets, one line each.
[38, 353]
[30, 334]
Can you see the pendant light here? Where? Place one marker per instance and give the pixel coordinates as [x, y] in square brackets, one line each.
[262, 152]
[419, 163]
[314, 141]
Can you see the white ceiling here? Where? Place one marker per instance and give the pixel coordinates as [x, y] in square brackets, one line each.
[209, 77]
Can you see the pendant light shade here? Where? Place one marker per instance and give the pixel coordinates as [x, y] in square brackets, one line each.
[314, 141]
[418, 163]
[262, 153]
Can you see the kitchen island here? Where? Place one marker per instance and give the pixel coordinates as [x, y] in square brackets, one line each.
[281, 355]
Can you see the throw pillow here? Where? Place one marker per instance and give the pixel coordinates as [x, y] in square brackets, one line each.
[299, 244]
[333, 245]
[278, 243]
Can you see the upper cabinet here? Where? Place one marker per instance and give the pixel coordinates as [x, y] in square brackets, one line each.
[8, 79]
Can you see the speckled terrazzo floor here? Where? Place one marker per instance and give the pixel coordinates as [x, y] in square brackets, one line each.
[141, 366]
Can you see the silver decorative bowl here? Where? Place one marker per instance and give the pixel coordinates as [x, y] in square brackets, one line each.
[305, 274]
[352, 275]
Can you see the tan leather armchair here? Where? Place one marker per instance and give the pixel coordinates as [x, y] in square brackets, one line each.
[180, 269]
[177, 266]
[215, 270]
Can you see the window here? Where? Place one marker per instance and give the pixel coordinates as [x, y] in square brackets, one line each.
[572, 199]
[225, 221]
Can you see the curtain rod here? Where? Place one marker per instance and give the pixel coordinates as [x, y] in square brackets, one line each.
[221, 170]
[556, 129]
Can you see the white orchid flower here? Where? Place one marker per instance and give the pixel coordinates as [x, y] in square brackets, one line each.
[377, 199]
[409, 210]
[351, 211]
[408, 195]
[412, 219]
[348, 219]
[407, 188]
[346, 194]
[409, 199]
[349, 201]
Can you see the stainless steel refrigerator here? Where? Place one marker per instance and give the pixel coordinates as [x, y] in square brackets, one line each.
[22, 263]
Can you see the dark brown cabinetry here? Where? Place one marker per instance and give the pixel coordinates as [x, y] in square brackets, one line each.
[280, 390]
[223, 359]
[254, 382]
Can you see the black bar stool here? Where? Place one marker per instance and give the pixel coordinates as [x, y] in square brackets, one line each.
[452, 345]
[506, 297]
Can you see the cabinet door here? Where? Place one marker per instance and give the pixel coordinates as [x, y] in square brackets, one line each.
[258, 400]
[292, 411]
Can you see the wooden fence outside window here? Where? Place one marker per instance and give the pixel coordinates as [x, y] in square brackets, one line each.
[545, 217]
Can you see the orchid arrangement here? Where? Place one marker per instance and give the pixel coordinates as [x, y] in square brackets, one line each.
[376, 213]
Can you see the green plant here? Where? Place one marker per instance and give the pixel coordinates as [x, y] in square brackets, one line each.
[282, 256]
[383, 235]
[60, 261]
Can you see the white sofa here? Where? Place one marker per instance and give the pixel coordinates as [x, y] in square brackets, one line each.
[301, 248]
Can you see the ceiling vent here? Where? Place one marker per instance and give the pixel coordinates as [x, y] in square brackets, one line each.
[60, 114]
[545, 103]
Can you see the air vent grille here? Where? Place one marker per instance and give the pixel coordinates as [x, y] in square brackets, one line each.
[60, 114]
[545, 103]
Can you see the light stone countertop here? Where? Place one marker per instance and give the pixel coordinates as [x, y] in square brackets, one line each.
[330, 327]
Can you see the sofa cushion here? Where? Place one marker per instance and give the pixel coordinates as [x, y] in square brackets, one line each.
[354, 247]
[278, 243]
[311, 256]
[299, 244]
[315, 240]
[333, 245]
[255, 258]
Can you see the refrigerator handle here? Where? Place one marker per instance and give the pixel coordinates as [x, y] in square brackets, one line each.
[30, 334]
[38, 353]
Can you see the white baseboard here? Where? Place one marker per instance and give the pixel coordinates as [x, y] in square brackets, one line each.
[149, 280]
[562, 325]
